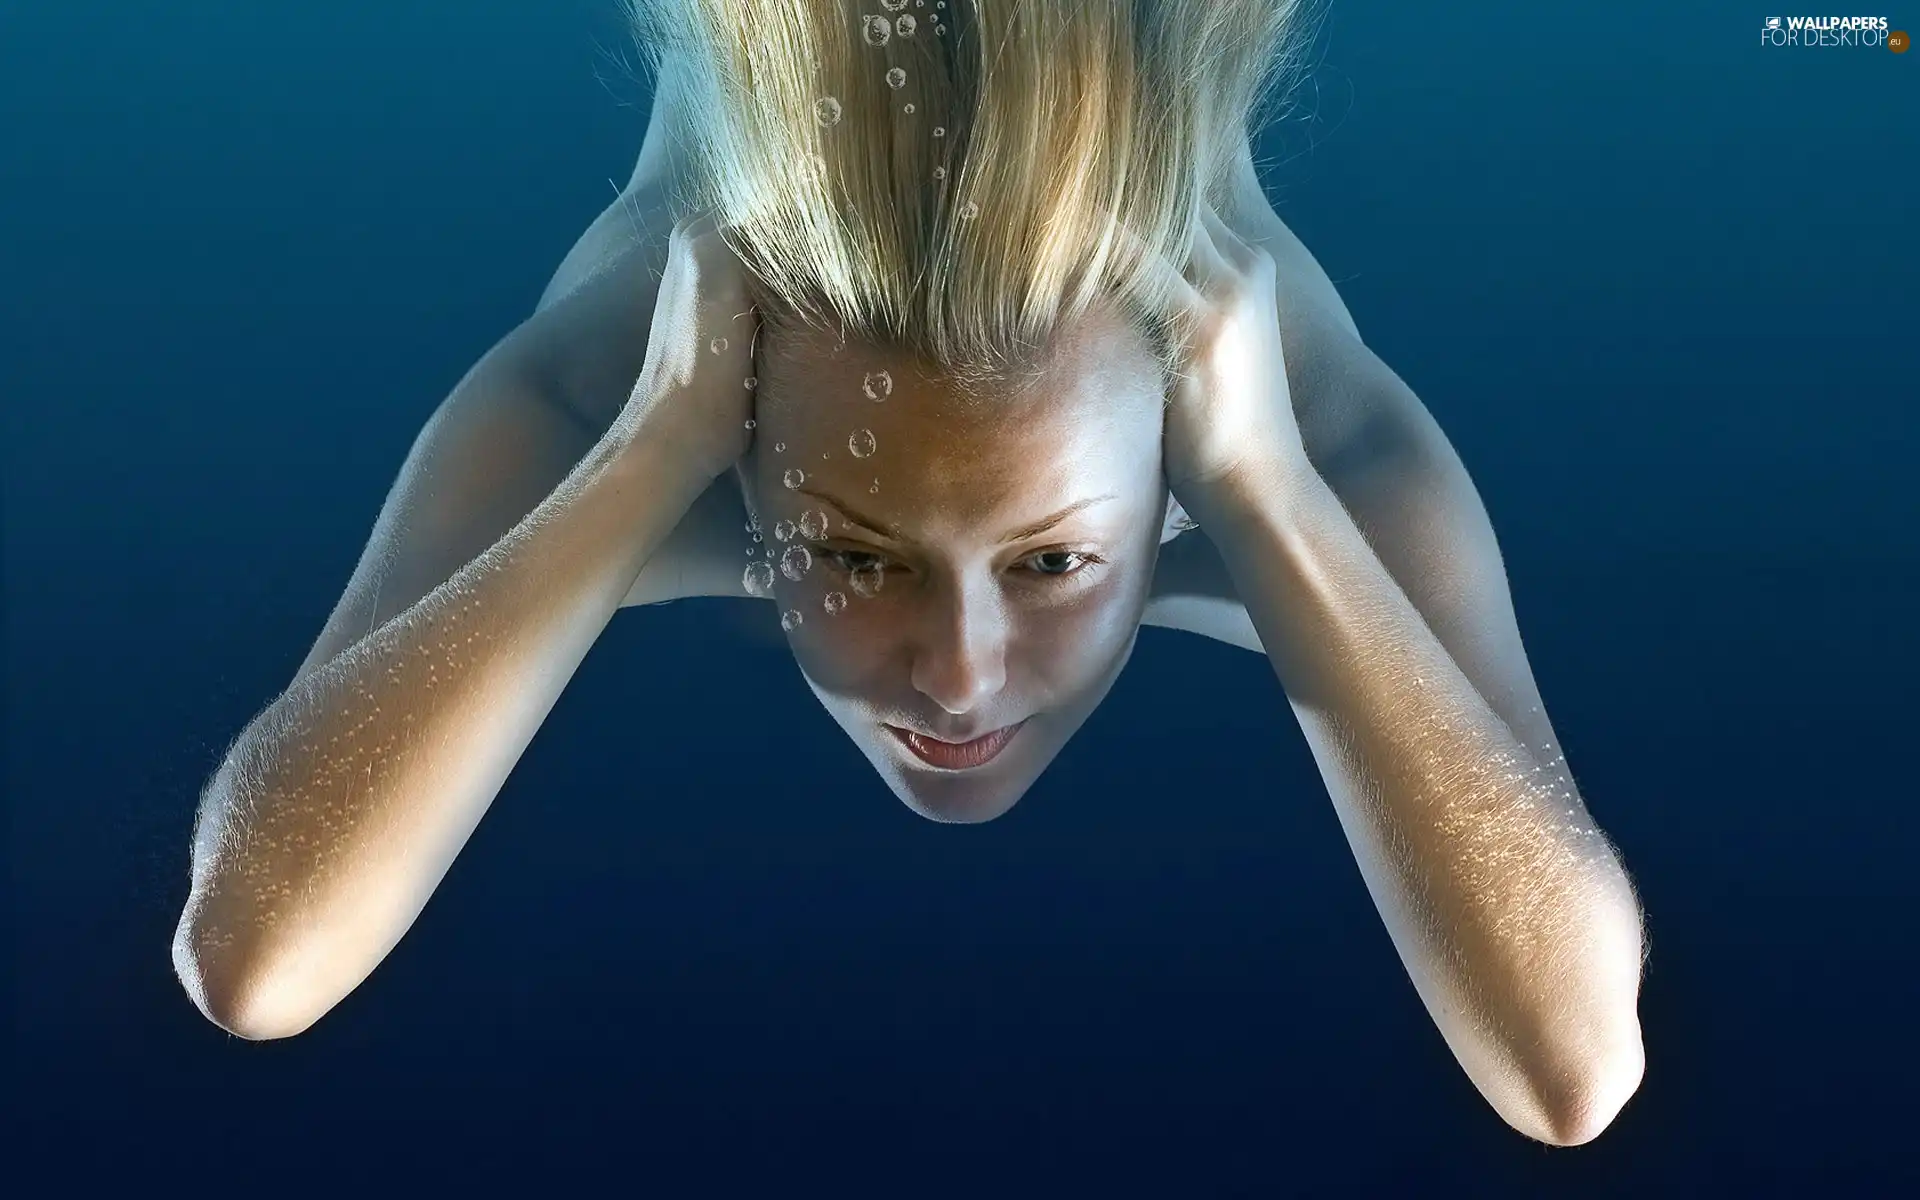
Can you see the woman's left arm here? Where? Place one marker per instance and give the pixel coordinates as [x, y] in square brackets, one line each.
[1370, 572]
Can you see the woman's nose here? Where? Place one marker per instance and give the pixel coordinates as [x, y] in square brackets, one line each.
[961, 660]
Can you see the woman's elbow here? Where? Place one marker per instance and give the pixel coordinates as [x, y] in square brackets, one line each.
[1585, 1110]
[237, 999]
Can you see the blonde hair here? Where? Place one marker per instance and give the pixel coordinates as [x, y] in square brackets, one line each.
[968, 248]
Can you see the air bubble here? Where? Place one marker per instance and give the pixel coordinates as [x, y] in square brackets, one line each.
[813, 524]
[751, 422]
[826, 110]
[834, 602]
[878, 30]
[867, 579]
[969, 211]
[758, 580]
[896, 78]
[794, 477]
[796, 562]
[874, 490]
[790, 620]
[906, 108]
[783, 530]
[878, 385]
[753, 381]
[893, 5]
[939, 131]
[905, 25]
[779, 447]
[862, 443]
[717, 345]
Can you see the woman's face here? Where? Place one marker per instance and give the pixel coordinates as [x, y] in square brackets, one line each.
[966, 572]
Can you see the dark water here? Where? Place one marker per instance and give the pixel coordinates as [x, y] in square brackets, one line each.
[1658, 284]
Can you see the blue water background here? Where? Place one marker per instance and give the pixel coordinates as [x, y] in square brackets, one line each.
[1656, 282]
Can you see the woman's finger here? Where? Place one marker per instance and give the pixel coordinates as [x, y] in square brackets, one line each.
[1208, 263]
[1160, 270]
[1232, 247]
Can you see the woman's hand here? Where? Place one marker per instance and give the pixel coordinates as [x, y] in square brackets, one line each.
[695, 392]
[1229, 421]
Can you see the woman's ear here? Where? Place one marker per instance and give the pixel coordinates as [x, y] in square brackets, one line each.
[1176, 521]
[743, 475]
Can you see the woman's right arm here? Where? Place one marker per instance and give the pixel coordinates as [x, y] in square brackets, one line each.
[341, 806]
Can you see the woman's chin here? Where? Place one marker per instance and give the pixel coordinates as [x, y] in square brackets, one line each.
[970, 796]
[959, 797]
[958, 801]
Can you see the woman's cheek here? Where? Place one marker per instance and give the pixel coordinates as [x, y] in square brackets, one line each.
[1091, 632]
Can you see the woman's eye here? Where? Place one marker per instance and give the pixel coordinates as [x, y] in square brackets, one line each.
[1059, 563]
[852, 561]
[1048, 564]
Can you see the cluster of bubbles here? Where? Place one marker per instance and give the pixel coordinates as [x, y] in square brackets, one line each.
[796, 560]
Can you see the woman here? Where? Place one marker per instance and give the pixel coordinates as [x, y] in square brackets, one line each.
[953, 377]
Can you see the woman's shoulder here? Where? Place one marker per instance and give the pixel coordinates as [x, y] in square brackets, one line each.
[590, 330]
[637, 224]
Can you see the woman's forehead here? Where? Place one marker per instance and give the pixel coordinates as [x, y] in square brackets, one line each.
[972, 487]
[887, 434]
[1056, 435]
[865, 388]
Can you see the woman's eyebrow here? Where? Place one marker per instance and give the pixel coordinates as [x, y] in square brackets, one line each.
[854, 516]
[1048, 522]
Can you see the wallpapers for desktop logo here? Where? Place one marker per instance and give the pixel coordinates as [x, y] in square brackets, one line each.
[1868, 32]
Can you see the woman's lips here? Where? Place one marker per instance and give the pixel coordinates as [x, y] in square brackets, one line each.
[957, 756]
